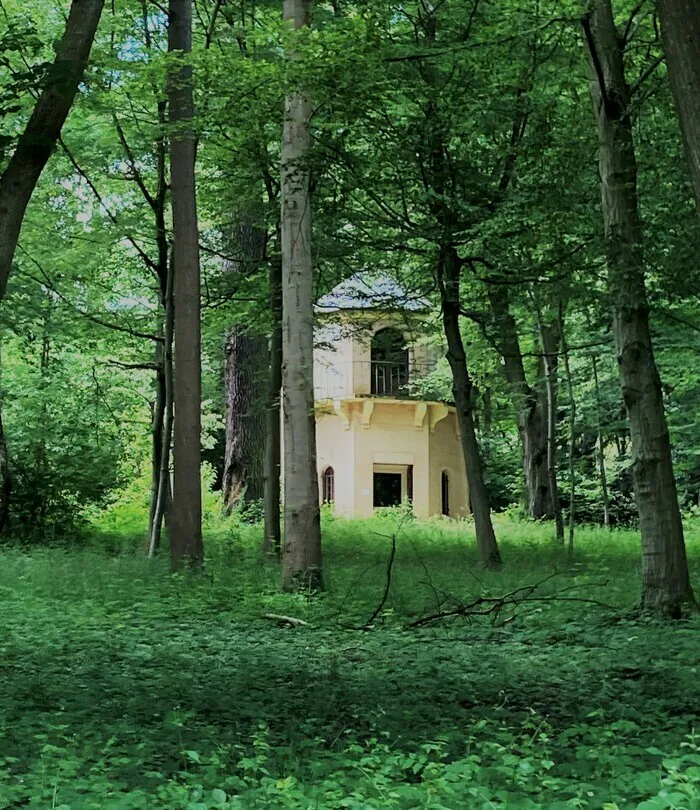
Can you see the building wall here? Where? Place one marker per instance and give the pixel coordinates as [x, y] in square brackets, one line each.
[446, 456]
[390, 434]
[390, 438]
[335, 447]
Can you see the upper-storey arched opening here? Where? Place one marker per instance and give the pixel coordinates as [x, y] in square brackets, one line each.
[389, 362]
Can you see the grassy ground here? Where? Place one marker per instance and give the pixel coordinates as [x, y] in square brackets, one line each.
[122, 686]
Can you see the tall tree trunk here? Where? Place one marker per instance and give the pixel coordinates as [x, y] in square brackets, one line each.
[5, 475]
[302, 561]
[529, 404]
[601, 446]
[449, 271]
[549, 337]
[680, 29]
[157, 429]
[186, 529]
[245, 417]
[665, 580]
[245, 373]
[572, 432]
[43, 129]
[273, 530]
[162, 501]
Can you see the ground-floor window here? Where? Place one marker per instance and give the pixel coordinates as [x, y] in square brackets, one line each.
[387, 489]
[445, 487]
[328, 485]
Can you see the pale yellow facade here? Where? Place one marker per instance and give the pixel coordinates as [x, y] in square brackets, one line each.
[365, 441]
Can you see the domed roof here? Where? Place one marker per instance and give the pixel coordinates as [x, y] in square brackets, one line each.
[367, 290]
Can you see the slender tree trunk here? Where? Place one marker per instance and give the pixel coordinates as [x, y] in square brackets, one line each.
[273, 530]
[601, 447]
[449, 276]
[680, 29]
[572, 433]
[245, 373]
[302, 562]
[157, 425]
[162, 502]
[529, 405]
[186, 529]
[43, 129]
[5, 475]
[665, 579]
[550, 346]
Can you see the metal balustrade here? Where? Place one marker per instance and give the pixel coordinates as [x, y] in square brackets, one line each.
[363, 378]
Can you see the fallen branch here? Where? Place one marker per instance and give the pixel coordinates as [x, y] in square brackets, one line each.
[491, 606]
[288, 621]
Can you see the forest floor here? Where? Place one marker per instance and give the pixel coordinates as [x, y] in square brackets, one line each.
[123, 686]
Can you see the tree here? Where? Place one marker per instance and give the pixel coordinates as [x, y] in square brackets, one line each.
[43, 129]
[529, 402]
[665, 579]
[680, 28]
[186, 528]
[245, 372]
[302, 561]
[272, 539]
[32, 152]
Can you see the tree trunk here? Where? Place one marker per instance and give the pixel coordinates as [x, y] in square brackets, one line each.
[186, 529]
[550, 351]
[449, 276]
[529, 404]
[572, 433]
[302, 563]
[680, 29]
[245, 372]
[273, 529]
[601, 447]
[43, 129]
[162, 501]
[665, 580]
[5, 476]
[157, 429]
[245, 417]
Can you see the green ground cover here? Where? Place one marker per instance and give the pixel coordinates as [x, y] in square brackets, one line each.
[122, 686]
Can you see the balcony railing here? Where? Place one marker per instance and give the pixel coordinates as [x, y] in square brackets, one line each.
[364, 378]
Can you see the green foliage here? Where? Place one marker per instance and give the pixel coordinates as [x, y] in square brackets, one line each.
[128, 687]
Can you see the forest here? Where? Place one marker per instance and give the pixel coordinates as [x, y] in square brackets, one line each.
[349, 432]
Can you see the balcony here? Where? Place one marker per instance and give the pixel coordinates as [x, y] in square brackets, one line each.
[369, 378]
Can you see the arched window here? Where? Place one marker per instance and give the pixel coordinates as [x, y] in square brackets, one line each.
[445, 488]
[389, 365]
[328, 485]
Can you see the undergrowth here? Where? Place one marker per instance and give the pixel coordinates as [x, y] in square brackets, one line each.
[126, 687]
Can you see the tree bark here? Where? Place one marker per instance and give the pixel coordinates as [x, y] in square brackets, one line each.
[302, 562]
[43, 129]
[162, 500]
[572, 433]
[601, 447]
[665, 580]
[529, 404]
[5, 474]
[449, 272]
[550, 351]
[245, 372]
[680, 30]
[273, 530]
[186, 530]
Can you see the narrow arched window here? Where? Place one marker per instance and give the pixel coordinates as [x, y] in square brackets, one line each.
[328, 485]
[445, 487]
